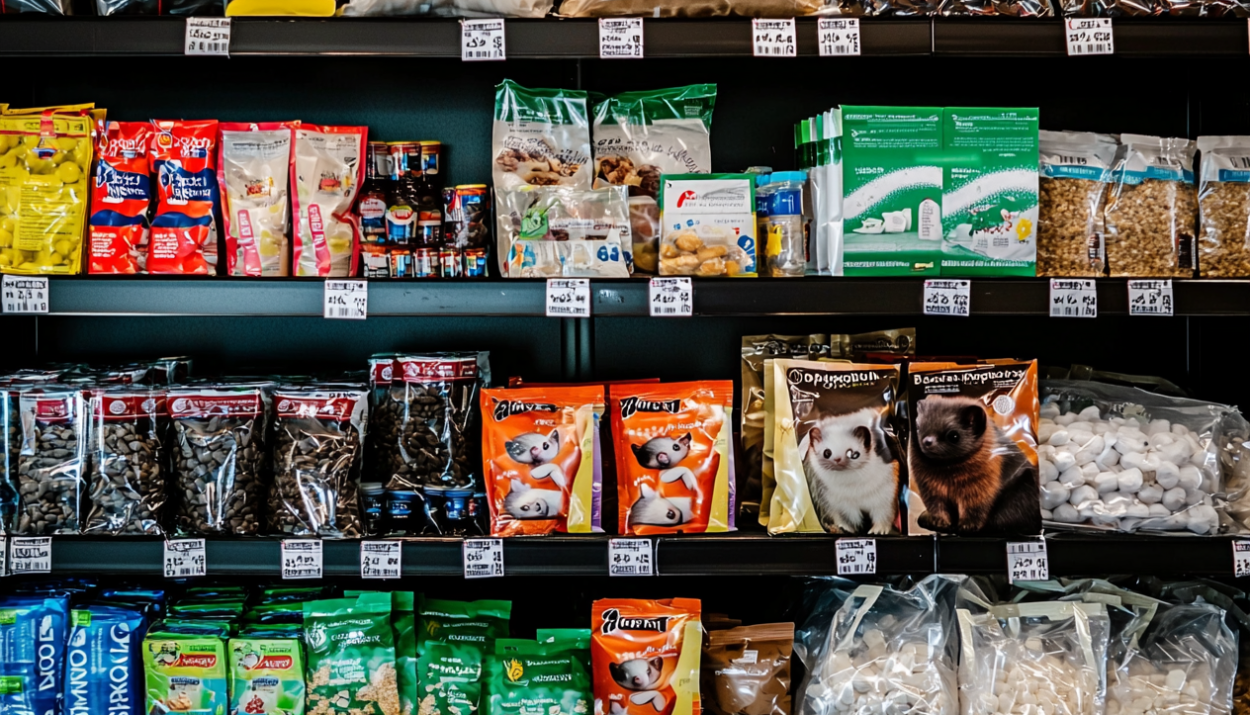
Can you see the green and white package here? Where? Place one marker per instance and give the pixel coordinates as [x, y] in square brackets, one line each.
[541, 137]
[472, 623]
[892, 183]
[707, 225]
[351, 655]
[266, 676]
[989, 191]
[403, 623]
[535, 681]
[186, 668]
[450, 679]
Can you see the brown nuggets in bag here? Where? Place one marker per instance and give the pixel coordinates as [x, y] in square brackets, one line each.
[645, 656]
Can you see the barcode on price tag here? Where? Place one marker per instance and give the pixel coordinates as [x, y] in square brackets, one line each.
[568, 298]
[774, 38]
[1150, 297]
[1241, 558]
[381, 559]
[620, 38]
[301, 558]
[1073, 298]
[1026, 561]
[207, 36]
[671, 297]
[24, 294]
[30, 555]
[482, 40]
[1089, 36]
[4, 557]
[483, 558]
[630, 557]
[346, 300]
[945, 297]
[857, 557]
[185, 558]
[838, 38]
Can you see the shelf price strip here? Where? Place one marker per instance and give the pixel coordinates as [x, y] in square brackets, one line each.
[1150, 297]
[838, 37]
[207, 36]
[185, 558]
[1073, 298]
[946, 297]
[1089, 36]
[30, 555]
[670, 297]
[620, 38]
[381, 559]
[857, 557]
[301, 559]
[630, 557]
[773, 38]
[24, 294]
[1027, 561]
[483, 558]
[345, 300]
[482, 41]
[1241, 558]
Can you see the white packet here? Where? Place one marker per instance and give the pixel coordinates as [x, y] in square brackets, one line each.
[253, 170]
[329, 168]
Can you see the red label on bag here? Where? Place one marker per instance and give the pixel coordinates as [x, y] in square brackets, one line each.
[201, 405]
[59, 409]
[381, 371]
[338, 408]
[184, 237]
[435, 369]
[117, 408]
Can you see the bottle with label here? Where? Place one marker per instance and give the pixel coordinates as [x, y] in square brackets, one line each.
[401, 201]
[371, 208]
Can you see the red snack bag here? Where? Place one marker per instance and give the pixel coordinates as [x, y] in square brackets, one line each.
[645, 656]
[184, 230]
[120, 197]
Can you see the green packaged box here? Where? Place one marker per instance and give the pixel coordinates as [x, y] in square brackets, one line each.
[892, 190]
[989, 191]
[266, 676]
[185, 667]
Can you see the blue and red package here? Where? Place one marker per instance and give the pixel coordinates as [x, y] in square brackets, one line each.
[121, 196]
[184, 230]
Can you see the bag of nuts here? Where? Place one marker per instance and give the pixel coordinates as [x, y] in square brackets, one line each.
[541, 137]
[318, 442]
[1224, 207]
[219, 457]
[1152, 208]
[1075, 173]
[128, 462]
[50, 462]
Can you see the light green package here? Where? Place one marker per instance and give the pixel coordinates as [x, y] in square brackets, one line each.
[351, 655]
[451, 678]
[266, 676]
[892, 181]
[989, 192]
[535, 681]
[185, 668]
[475, 623]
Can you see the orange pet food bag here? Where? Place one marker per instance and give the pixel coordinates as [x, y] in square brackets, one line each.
[645, 656]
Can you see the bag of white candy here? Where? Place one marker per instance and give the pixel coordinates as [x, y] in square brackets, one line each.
[1113, 457]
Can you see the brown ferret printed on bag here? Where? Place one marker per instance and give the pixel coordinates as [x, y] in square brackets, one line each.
[746, 670]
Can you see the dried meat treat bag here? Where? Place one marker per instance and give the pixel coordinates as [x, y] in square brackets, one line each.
[645, 656]
[183, 239]
[120, 197]
[253, 169]
[540, 459]
[327, 169]
[674, 463]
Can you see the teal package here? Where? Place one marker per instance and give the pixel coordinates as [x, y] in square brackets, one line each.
[33, 631]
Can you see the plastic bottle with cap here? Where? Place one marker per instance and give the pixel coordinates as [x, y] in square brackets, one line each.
[785, 241]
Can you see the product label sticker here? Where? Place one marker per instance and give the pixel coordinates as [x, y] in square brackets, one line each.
[346, 300]
[620, 38]
[301, 559]
[774, 38]
[671, 297]
[838, 37]
[630, 557]
[185, 558]
[381, 559]
[1241, 558]
[4, 557]
[1026, 561]
[207, 36]
[1073, 298]
[483, 558]
[482, 41]
[857, 557]
[1089, 36]
[30, 555]
[568, 298]
[947, 297]
[24, 294]
[1150, 297]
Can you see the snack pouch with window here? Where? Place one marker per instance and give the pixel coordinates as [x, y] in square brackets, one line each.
[183, 239]
[127, 486]
[104, 667]
[540, 460]
[541, 137]
[351, 655]
[120, 198]
[328, 166]
[470, 623]
[558, 231]
[186, 666]
[52, 460]
[253, 168]
[674, 464]
[33, 632]
[266, 675]
[645, 656]
[535, 678]
[1224, 206]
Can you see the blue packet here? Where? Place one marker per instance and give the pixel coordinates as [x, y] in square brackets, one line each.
[33, 629]
[103, 666]
[17, 684]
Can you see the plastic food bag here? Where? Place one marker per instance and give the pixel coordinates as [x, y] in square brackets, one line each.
[552, 681]
[447, 8]
[1005, 8]
[547, 232]
[351, 654]
[1224, 207]
[1110, 8]
[103, 654]
[198, 8]
[1075, 170]
[44, 7]
[746, 670]
[33, 637]
[1152, 209]
[120, 198]
[646, 656]
[184, 232]
[328, 168]
[51, 462]
[541, 137]
[128, 461]
[708, 225]
[253, 168]
[469, 624]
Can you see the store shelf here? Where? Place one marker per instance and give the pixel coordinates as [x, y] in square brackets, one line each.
[1134, 37]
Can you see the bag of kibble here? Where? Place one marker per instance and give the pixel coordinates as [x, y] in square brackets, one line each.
[1152, 208]
[128, 465]
[1075, 170]
[50, 463]
[1224, 207]
[351, 656]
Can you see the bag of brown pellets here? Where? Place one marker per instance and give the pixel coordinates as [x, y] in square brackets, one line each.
[51, 461]
[1224, 207]
[1152, 208]
[1075, 173]
[746, 670]
[128, 464]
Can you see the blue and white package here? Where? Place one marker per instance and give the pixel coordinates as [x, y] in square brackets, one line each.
[17, 684]
[103, 670]
[33, 631]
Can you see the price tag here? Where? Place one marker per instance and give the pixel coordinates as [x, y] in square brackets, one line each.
[1073, 298]
[185, 558]
[30, 555]
[774, 38]
[4, 557]
[1150, 297]
[24, 294]
[207, 36]
[838, 38]
[482, 41]
[620, 38]
[671, 298]
[483, 558]
[348, 300]
[630, 557]
[301, 558]
[947, 297]
[1089, 36]
[381, 559]
[1241, 558]
[568, 298]
[1026, 561]
[857, 557]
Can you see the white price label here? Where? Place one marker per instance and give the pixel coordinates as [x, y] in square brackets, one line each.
[301, 558]
[381, 559]
[24, 294]
[483, 558]
[1073, 298]
[774, 38]
[1089, 36]
[1241, 558]
[838, 38]
[630, 557]
[671, 298]
[4, 557]
[620, 38]
[857, 557]
[30, 555]
[207, 36]
[348, 300]
[185, 558]
[1150, 297]
[568, 298]
[1026, 561]
[946, 297]
[482, 40]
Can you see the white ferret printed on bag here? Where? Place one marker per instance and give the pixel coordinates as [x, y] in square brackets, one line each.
[836, 453]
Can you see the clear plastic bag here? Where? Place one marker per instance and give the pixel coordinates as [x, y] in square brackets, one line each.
[11, 434]
[128, 463]
[1110, 8]
[198, 8]
[1224, 207]
[1005, 8]
[51, 461]
[1075, 173]
[1152, 208]
[556, 231]
[446, 8]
